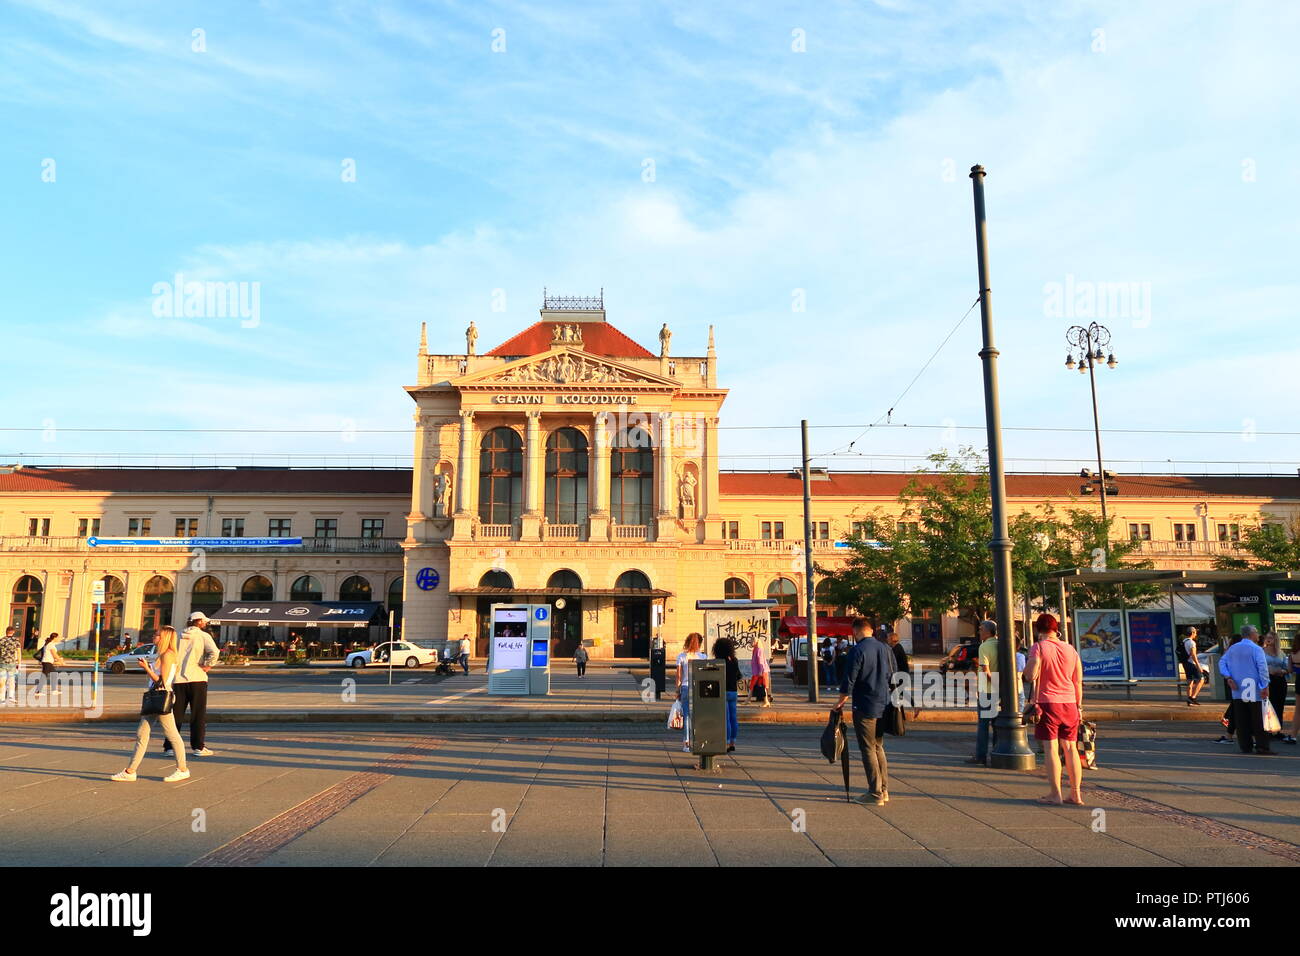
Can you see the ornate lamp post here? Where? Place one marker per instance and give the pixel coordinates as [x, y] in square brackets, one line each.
[1092, 343]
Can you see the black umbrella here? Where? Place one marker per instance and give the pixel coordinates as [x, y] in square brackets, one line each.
[844, 761]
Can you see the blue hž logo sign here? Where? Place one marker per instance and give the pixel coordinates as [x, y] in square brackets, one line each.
[541, 613]
[427, 579]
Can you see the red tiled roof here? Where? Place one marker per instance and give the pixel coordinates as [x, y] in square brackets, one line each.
[326, 481]
[890, 485]
[598, 338]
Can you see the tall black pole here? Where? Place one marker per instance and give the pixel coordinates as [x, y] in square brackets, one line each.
[809, 590]
[1011, 751]
[1096, 430]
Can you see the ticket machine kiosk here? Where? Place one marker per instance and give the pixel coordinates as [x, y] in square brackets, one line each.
[519, 649]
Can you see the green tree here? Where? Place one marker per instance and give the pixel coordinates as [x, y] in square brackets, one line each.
[870, 580]
[1271, 546]
[1083, 540]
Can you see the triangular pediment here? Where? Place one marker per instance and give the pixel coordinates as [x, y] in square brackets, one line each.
[564, 366]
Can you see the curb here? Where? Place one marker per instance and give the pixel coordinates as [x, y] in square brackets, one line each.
[780, 717]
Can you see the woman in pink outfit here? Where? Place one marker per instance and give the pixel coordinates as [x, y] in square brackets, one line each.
[1057, 673]
[761, 674]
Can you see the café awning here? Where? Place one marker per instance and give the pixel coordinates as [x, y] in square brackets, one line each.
[303, 613]
[826, 627]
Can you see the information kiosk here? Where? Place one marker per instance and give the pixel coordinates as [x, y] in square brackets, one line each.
[519, 651]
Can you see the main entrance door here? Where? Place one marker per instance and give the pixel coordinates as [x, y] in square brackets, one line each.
[632, 628]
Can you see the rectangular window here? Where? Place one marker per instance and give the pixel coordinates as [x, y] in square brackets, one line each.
[87, 527]
[279, 528]
[187, 527]
[1184, 531]
[778, 530]
[327, 527]
[1229, 532]
[372, 527]
[865, 529]
[232, 527]
[766, 530]
[824, 530]
[138, 527]
[731, 529]
[909, 527]
[1139, 531]
[38, 527]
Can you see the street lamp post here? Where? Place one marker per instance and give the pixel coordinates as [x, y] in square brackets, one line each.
[1092, 342]
[1011, 750]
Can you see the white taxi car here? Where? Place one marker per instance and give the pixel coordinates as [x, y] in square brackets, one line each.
[403, 654]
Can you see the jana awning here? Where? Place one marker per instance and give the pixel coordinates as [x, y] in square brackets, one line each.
[306, 613]
[482, 591]
[826, 627]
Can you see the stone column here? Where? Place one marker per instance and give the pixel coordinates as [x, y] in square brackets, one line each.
[709, 480]
[530, 524]
[598, 478]
[466, 472]
[422, 481]
[667, 498]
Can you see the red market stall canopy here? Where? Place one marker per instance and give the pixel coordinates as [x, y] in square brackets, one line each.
[303, 613]
[826, 627]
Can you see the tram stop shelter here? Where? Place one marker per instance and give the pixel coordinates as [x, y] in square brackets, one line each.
[1130, 644]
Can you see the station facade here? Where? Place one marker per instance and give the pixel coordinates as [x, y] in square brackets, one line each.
[569, 464]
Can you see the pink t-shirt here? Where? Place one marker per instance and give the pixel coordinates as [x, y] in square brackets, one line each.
[1058, 663]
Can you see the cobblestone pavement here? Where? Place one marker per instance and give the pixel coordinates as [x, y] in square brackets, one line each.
[618, 794]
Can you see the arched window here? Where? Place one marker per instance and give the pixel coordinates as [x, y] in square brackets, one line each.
[566, 618]
[787, 599]
[500, 477]
[114, 602]
[207, 594]
[633, 581]
[735, 589]
[566, 476]
[631, 481]
[825, 601]
[355, 588]
[564, 578]
[497, 579]
[25, 612]
[256, 588]
[306, 588]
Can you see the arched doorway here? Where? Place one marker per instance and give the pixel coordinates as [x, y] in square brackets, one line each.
[483, 621]
[306, 588]
[259, 588]
[206, 595]
[566, 476]
[25, 611]
[632, 616]
[735, 589]
[566, 620]
[357, 588]
[159, 595]
[395, 603]
[500, 476]
[110, 627]
[786, 595]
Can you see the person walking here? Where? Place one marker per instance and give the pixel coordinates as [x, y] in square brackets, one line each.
[761, 674]
[196, 652]
[168, 663]
[580, 657]
[11, 652]
[464, 653]
[827, 656]
[1190, 658]
[1278, 667]
[1057, 673]
[865, 679]
[986, 701]
[724, 650]
[1246, 670]
[1295, 711]
[48, 656]
[691, 651]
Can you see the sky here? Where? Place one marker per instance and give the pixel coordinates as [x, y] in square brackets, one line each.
[795, 175]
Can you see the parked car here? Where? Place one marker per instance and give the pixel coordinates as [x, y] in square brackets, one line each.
[118, 663]
[404, 654]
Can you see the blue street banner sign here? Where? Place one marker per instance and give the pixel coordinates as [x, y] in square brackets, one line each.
[426, 579]
[194, 542]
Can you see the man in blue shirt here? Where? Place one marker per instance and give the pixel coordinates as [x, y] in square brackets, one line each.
[866, 680]
[1246, 671]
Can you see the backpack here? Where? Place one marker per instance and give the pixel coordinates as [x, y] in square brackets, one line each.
[1182, 651]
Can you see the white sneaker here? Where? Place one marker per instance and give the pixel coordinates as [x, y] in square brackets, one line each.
[123, 776]
[205, 752]
[175, 776]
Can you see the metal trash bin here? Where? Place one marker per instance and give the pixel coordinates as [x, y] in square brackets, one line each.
[707, 722]
[1218, 686]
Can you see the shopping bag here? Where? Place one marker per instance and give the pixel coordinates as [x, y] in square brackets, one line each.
[1271, 724]
[675, 721]
[1088, 744]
